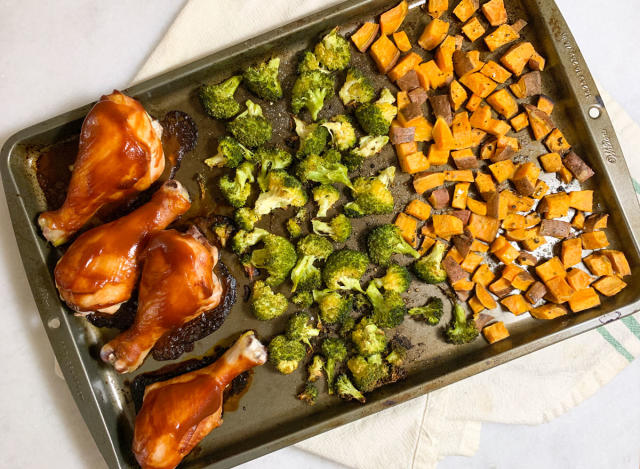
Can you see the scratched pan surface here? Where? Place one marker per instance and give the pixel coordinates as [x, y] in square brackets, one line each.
[269, 417]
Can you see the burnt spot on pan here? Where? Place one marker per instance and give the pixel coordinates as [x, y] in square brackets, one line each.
[179, 137]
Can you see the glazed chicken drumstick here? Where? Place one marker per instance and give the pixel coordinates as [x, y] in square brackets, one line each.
[177, 285]
[100, 269]
[178, 413]
[119, 154]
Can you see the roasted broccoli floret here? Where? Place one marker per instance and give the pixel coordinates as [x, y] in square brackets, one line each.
[346, 390]
[332, 155]
[245, 218]
[300, 327]
[282, 191]
[262, 80]
[431, 312]
[338, 228]
[368, 373]
[223, 228]
[333, 51]
[303, 299]
[429, 268]
[270, 159]
[309, 63]
[250, 128]
[293, 228]
[461, 330]
[310, 91]
[334, 308]
[372, 195]
[395, 279]
[347, 326]
[398, 354]
[368, 338]
[243, 239]
[230, 153]
[325, 195]
[344, 269]
[218, 101]
[343, 134]
[286, 354]
[238, 189]
[313, 138]
[375, 118]
[305, 275]
[315, 368]
[335, 352]
[388, 307]
[368, 146]
[318, 169]
[309, 394]
[265, 303]
[277, 257]
[357, 88]
[384, 241]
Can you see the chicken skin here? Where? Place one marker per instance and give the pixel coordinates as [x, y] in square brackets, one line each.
[178, 413]
[120, 154]
[100, 269]
[177, 285]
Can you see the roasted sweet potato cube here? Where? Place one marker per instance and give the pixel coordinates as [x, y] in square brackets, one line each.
[520, 122]
[551, 162]
[483, 275]
[473, 29]
[414, 163]
[517, 57]
[471, 261]
[439, 198]
[594, 240]
[384, 53]
[479, 246]
[526, 177]
[554, 205]
[485, 185]
[555, 228]
[498, 205]
[548, 311]
[427, 242]
[578, 167]
[464, 159]
[446, 226]
[444, 54]
[442, 136]
[536, 292]
[584, 299]
[610, 285]
[475, 305]
[581, 200]
[418, 95]
[463, 243]
[405, 149]
[534, 241]
[408, 228]
[545, 104]
[598, 264]
[460, 194]
[503, 103]
[457, 95]
[516, 304]
[402, 41]
[485, 297]
[465, 9]
[541, 190]
[473, 103]
[498, 244]
[391, 20]
[532, 219]
[481, 117]
[407, 82]
[466, 63]
[565, 175]
[418, 209]
[477, 207]
[507, 254]
[463, 285]
[498, 127]
[365, 36]
[578, 279]
[437, 7]
[541, 124]
[618, 261]
[537, 62]
[478, 84]
[501, 287]
[437, 157]
[522, 281]
[454, 254]
[502, 170]
[511, 271]
[571, 252]
[513, 221]
[559, 291]
[556, 142]
[495, 12]
[502, 35]
[595, 221]
[461, 131]
[495, 71]
[426, 181]
[551, 269]
[433, 34]
[483, 228]
[404, 65]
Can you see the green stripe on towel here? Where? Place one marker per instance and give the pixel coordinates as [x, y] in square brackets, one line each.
[616, 345]
[633, 325]
[636, 185]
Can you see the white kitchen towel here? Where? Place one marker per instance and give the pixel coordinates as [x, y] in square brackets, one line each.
[447, 421]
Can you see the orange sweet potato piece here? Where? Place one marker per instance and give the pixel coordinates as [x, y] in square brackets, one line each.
[427, 242]
[554, 205]
[565, 175]
[501, 287]
[581, 200]
[495, 71]
[485, 185]
[522, 281]
[503, 103]
[508, 254]
[478, 84]
[460, 194]
[424, 129]
[498, 127]
[598, 264]
[545, 104]
[475, 305]
[551, 162]
[437, 7]
[459, 175]
[541, 189]
[534, 241]
[551, 269]
[520, 122]
[498, 205]
[548, 311]
[477, 137]
[479, 246]
[473, 103]
[391, 20]
[408, 228]
[485, 297]
[431, 76]
[426, 181]
[464, 159]
[404, 149]
[498, 244]
[495, 332]
[517, 57]
[610, 285]
[461, 131]
[444, 54]
[541, 124]
[365, 36]
[414, 163]
[559, 290]
[473, 29]
[477, 207]
[537, 62]
[433, 34]
[454, 254]
[483, 275]
[578, 279]
[442, 135]
[584, 299]
[516, 304]
[595, 222]
[557, 142]
[457, 95]
[419, 209]
[437, 157]
[495, 12]
[571, 252]
[483, 228]
[502, 170]
[594, 240]
[446, 226]
[384, 53]
[471, 261]
[465, 9]
[513, 221]
[526, 177]
[402, 41]
[481, 117]
[408, 62]
[618, 261]
[503, 35]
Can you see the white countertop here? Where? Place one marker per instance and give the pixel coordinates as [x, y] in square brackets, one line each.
[55, 56]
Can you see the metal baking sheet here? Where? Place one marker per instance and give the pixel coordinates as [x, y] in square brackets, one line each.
[269, 417]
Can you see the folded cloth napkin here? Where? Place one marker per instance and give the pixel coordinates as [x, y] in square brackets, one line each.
[447, 421]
